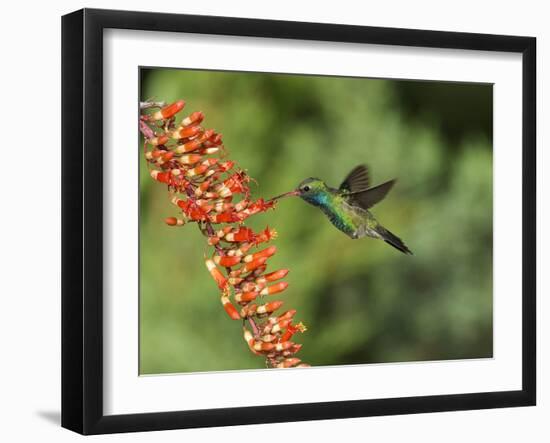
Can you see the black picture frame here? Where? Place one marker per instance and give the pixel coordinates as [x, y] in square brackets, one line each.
[82, 219]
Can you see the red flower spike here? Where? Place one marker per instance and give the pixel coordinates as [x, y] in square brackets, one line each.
[203, 189]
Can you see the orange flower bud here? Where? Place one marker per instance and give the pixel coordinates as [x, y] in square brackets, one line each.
[201, 169]
[173, 221]
[241, 235]
[229, 308]
[168, 111]
[246, 296]
[273, 276]
[160, 140]
[263, 347]
[218, 277]
[186, 132]
[224, 217]
[274, 289]
[194, 118]
[267, 252]
[189, 159]
[283, 346]
[163, 177]
[188, 147]
[226, 261]
[287, 315]
[269, 307]
[250, 266]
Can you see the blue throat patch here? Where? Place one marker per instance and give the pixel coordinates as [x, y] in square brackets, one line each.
[317, 199]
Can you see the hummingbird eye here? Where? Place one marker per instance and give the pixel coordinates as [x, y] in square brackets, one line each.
[306, 188]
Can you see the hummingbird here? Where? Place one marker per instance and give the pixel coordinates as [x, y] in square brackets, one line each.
[348, 207]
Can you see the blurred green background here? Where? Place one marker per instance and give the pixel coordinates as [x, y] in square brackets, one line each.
[363, 301]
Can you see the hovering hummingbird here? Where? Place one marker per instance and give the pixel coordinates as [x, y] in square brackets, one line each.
[347, 207]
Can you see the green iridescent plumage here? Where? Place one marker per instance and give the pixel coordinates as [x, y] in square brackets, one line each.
[347, 207]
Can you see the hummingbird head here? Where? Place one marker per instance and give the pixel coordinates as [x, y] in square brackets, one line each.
[312, 190]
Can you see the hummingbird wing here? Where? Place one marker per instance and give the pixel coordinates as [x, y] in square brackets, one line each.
[369, 197]
[357, 180]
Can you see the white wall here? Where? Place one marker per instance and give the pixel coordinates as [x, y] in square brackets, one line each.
[30, 219]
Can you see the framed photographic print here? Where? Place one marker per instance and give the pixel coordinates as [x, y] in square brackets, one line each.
[269, 221]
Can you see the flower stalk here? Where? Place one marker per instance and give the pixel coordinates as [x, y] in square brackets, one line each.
[213, 192]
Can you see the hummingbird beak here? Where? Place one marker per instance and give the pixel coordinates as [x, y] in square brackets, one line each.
[286, 194]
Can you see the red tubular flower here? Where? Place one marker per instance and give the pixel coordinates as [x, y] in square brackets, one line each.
[206, 191]
[168, 111]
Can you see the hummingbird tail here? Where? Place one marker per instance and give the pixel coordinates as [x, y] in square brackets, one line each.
[393, 240]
